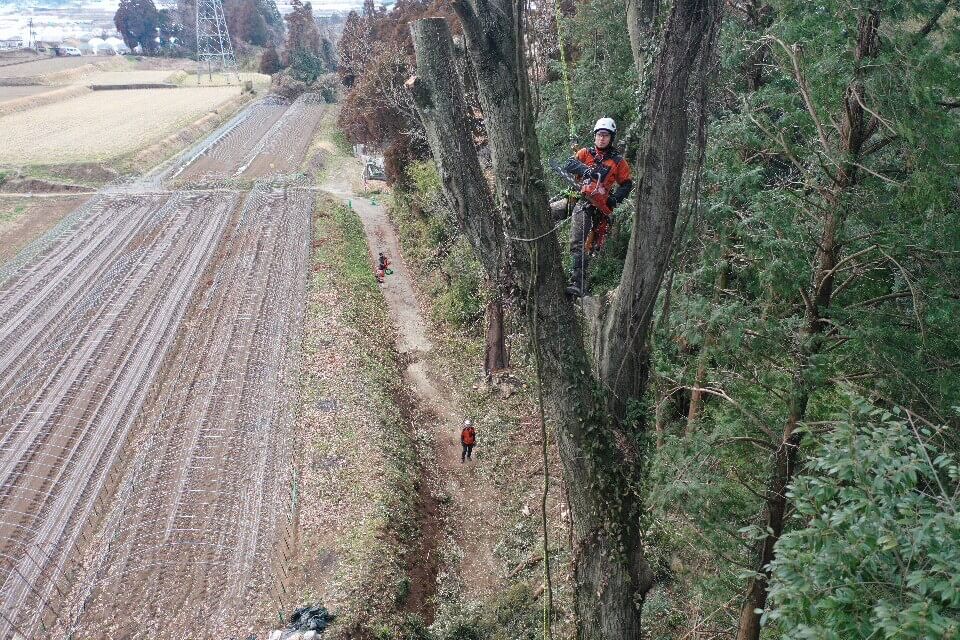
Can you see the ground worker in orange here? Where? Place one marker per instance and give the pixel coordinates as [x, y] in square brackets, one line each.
[468, 438]
[606, 181]
[383, 263]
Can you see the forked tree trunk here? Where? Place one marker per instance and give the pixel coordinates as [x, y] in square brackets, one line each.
[624, 361]
[601, 467]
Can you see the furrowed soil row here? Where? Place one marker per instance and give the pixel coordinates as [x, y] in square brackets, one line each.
[213, 474]
[227, 151]
[62, 437]
[146, 409]
[283, 148]
[50, 303]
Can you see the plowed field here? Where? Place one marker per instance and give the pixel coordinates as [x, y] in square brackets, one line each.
[148, 346]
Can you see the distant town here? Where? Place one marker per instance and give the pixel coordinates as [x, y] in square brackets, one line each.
[87, 25]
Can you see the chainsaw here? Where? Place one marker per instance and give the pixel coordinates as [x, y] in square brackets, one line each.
[590, 189]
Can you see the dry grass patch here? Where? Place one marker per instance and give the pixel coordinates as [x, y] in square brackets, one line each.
[45, 66]
[189, 79]
[125, 77]
[103, 125]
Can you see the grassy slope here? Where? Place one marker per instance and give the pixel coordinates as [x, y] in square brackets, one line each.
[358, 468]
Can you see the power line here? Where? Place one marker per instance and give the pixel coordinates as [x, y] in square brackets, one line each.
[213, 41]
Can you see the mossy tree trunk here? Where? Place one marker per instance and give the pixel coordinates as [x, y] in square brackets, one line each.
[442, 108]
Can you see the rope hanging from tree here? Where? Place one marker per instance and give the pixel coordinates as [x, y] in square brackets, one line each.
[565, 74]
[532, 308]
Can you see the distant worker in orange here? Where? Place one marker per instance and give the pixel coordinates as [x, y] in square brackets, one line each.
[468, 438]
[383, 263]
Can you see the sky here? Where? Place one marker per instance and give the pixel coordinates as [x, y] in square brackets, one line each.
[84, 19]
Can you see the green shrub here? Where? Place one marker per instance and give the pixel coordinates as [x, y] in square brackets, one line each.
[465, 630]
[432, 240]
[402, 590]
[515, 614]
[877, 551]
[341, 143]
[461, 303]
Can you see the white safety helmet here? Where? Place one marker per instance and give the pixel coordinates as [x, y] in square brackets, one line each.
[606, 124]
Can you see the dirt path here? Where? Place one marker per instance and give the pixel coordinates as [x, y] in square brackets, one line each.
[469, 508]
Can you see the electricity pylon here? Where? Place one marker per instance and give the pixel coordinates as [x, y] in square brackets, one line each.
[213, 40]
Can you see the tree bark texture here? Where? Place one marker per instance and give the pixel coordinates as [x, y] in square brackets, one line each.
[624, 366]
[442, 107]
[857, 127]
[495, 355]
[641, 27]
[641, 18]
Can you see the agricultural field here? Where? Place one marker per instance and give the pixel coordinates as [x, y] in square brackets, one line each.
[48, 65]
[100, 126]
[157, 467]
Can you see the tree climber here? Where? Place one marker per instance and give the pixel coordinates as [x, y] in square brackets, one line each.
[606, 182]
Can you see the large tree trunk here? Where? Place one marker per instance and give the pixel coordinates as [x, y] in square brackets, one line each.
[601, 466]
[641, 15]
[784, 463]
[495, 357]
[855, 131]
[641, 26]
[623, 363]
[442, 108]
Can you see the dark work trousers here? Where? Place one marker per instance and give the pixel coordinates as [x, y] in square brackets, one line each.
[467, 450]
[581, 224]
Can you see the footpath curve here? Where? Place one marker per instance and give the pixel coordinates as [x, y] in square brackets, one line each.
[470, 512]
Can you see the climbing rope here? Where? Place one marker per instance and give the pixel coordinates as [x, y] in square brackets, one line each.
[547, 579]
[542, 235]
[524, 100]
[565, 75]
